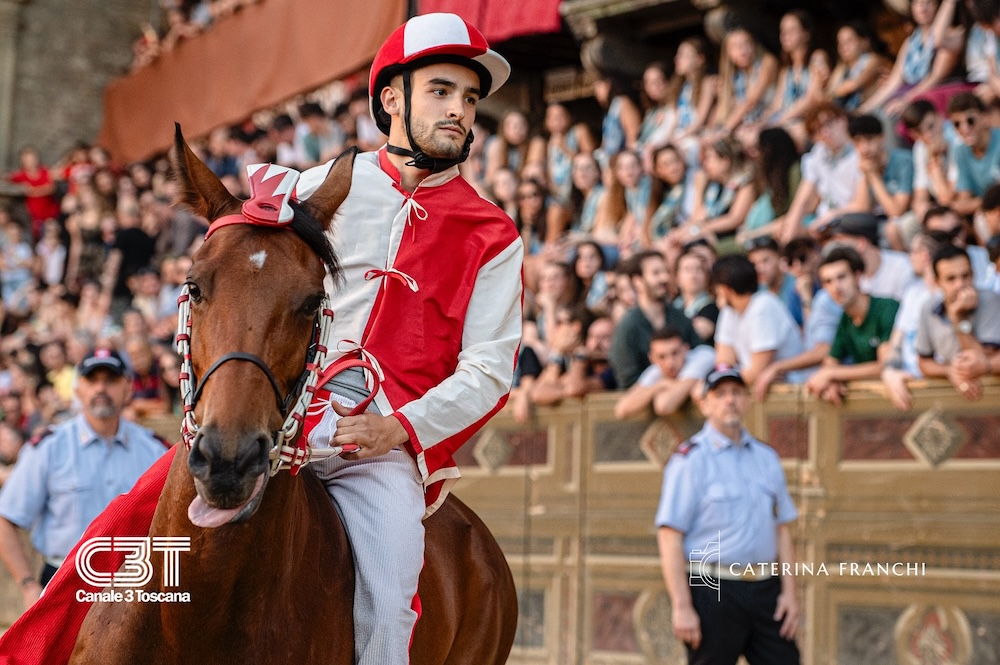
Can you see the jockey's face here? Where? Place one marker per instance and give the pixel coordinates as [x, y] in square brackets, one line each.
[443, 99]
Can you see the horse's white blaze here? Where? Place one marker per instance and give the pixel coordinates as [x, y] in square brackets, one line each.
[258, 259]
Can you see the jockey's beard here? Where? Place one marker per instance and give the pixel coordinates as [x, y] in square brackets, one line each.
[436, 143]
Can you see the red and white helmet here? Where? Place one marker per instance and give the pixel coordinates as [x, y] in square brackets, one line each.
[428, 39]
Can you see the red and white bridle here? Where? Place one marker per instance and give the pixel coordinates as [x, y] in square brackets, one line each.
[274, 212]
[283, 454]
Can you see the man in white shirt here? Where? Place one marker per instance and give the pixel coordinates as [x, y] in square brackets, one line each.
[830, 172]
[667, 383]
[887, 273]
[755, 329]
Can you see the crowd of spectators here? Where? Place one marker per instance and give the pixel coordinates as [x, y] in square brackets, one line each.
[180, 20]
[754, 210]
[795, 214]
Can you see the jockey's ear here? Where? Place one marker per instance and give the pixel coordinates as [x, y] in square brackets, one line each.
[199, 188]
[327, 198]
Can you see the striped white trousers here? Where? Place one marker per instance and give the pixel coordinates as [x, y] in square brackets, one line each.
[381, 503]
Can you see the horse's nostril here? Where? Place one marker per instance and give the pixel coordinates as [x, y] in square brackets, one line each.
[255, 457]
[199, 465]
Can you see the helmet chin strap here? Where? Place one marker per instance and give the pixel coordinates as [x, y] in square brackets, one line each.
[418, 158]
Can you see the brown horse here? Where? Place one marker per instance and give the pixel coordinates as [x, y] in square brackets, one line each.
[277, 584]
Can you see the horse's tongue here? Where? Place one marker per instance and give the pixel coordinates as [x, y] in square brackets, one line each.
[203, 515]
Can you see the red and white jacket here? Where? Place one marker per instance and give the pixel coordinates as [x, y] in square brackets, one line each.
[431, 294]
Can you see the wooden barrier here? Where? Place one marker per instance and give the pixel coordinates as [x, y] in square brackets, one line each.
[572, 495]
[572, 499]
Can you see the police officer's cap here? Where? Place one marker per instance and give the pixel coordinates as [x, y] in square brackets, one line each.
[102, 358]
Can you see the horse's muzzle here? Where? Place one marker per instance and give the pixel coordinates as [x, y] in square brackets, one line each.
[226, 470]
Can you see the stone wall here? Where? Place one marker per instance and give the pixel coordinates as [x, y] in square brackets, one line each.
[66, 52]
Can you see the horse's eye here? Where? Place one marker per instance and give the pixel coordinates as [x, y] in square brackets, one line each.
[312, 304]
[194, 292]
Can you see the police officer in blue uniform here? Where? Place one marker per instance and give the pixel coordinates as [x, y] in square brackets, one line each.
[723, 519]
[67, 476]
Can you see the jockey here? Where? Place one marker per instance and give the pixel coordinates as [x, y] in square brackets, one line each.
[433, 298]
[430, 296]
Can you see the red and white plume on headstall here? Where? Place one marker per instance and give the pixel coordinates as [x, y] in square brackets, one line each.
[271, 189]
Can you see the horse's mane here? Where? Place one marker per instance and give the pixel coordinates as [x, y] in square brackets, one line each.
[306, 226]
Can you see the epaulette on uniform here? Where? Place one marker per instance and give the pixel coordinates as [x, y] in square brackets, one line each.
[35, 440]
[686, 447]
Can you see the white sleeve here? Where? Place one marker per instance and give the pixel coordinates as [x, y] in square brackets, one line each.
[649, 376]
[699, 362]
[485, 368]
[920, 178]
[808, 167]
[764, 326]
[725, 332]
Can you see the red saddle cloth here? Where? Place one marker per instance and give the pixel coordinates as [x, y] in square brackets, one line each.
[46, 633]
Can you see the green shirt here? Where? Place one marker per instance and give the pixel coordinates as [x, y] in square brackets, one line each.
[859, 344]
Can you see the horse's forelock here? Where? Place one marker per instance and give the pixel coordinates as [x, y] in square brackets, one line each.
[311, 231]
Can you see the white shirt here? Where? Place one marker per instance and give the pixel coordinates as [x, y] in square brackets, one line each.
[698, 362]
[907, 322]
[835, 177]
[765, 325]
[921, 178]
[894, 275]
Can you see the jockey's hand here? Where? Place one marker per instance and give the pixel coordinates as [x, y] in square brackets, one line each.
[376, 434]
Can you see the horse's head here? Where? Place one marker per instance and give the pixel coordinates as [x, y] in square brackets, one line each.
[254, 293]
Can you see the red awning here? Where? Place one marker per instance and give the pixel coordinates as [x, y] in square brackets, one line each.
[266, 53]
[502, 19]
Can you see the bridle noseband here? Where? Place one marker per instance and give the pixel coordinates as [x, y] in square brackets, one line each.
[250, 358]
[283, 454]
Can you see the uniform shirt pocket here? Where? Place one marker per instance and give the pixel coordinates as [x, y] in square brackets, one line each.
[67, 496]
[720, 505]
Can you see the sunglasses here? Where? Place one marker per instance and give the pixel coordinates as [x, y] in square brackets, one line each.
[798, 258]
[969, 120]
[532, 195]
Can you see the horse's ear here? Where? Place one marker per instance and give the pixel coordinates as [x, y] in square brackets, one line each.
[199, 188]
[328, 197]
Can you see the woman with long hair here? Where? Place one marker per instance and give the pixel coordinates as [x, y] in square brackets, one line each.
[564, 141]
[691, 272]
[589, 279]
[512, 147]
[666, 194]
[922, 63]
[747, 75]
[503, 191]
[693, 89]
[622, 206]
[776, 178]
[856, 75]
[794, 81]
[531, 214]
[585, 194]
[723, 194]
[622, 120]
[659, 118]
